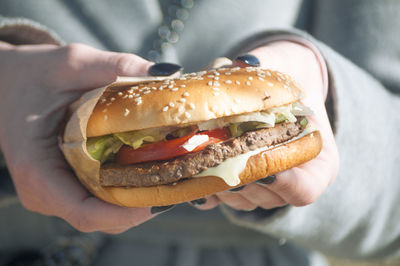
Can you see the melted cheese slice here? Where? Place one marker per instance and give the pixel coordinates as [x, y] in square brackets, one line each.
[230, 169]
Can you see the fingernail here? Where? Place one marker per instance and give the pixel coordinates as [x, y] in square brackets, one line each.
[199, 202]
[161, 209]
[249, 60]
[236, 189]
[267, 180]
[164, 69]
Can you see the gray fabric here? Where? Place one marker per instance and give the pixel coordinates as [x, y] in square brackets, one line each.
[357, 217]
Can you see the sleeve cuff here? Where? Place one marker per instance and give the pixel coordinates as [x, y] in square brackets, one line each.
[24, 31]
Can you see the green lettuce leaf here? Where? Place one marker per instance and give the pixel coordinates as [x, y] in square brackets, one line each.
[136, 138]
[103, 148]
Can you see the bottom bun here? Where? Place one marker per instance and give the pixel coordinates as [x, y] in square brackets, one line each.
[258, 166]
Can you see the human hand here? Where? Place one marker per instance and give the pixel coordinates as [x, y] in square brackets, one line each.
[301, 185]
[38, 83]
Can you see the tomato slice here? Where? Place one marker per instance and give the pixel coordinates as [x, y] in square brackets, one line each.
[167, 149]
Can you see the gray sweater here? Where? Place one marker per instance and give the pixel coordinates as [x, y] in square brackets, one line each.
[357, 217]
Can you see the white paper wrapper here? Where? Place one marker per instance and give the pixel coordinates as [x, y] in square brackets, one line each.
[74, 141]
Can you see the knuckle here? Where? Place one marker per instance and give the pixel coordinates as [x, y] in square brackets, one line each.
[82, 223]
[122, 63]
[305, 198]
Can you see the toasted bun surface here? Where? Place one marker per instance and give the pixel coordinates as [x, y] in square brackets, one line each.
[258, 166]
[192, 98]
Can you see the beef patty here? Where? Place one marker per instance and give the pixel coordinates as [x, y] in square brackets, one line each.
[170, 171]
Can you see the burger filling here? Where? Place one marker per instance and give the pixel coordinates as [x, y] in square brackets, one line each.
[166, 155]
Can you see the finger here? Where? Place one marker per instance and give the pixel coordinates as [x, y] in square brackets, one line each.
[93, 214]
[206, 203]
[261, 196]
[86, 67]
[116, 231]
[302, 185]
[60, 193]
[236, 201]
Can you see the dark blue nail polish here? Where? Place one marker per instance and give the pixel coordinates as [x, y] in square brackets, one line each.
[249, 59]
[267, 180]
[199, 202]
[160, 209]
[236, 189]
[164, 69]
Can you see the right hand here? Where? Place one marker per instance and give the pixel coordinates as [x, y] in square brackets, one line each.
[38, 83]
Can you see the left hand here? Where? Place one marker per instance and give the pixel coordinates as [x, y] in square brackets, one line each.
[300, 185]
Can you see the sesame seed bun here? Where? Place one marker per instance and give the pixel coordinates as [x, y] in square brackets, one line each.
[189, 99]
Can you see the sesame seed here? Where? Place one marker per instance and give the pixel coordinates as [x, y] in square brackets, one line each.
[138, 99]
[104, 110]
[146, 92]
[270, 84]
[181, 109]
[126, 112]
[182, 78]
[235, 69]
[228, 81]
[216, 93]
[170, 86]
[191, 105]
[268, 73]
[216, 73]
[171, 104]
[216, 78]
[266, 93]
[186, 94]
[105, 117]
[260, 78]
[250, 78]
[112, 99]
[215, 89]
[126, 96]
[237, 82]
[174, 89]
[182, 100]
[228, 73]
[103, 100]
[120, 93]
[210, 83]
[165, 108]
[187, 115]
[183, 86]
[135, 95]
[278, 79]
[154, 88]
[216, 83]
[210, 76]
[248, 83]
[139, 102]
[108, 104]
[200, 78]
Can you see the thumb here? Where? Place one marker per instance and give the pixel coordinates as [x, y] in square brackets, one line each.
[86, 67]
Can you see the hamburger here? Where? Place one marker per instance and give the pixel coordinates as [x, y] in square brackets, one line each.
[176, 140]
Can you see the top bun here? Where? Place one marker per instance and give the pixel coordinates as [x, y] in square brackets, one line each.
[191, 98]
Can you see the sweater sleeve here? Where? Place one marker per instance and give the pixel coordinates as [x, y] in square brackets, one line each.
[25, 31]
[357, 216]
